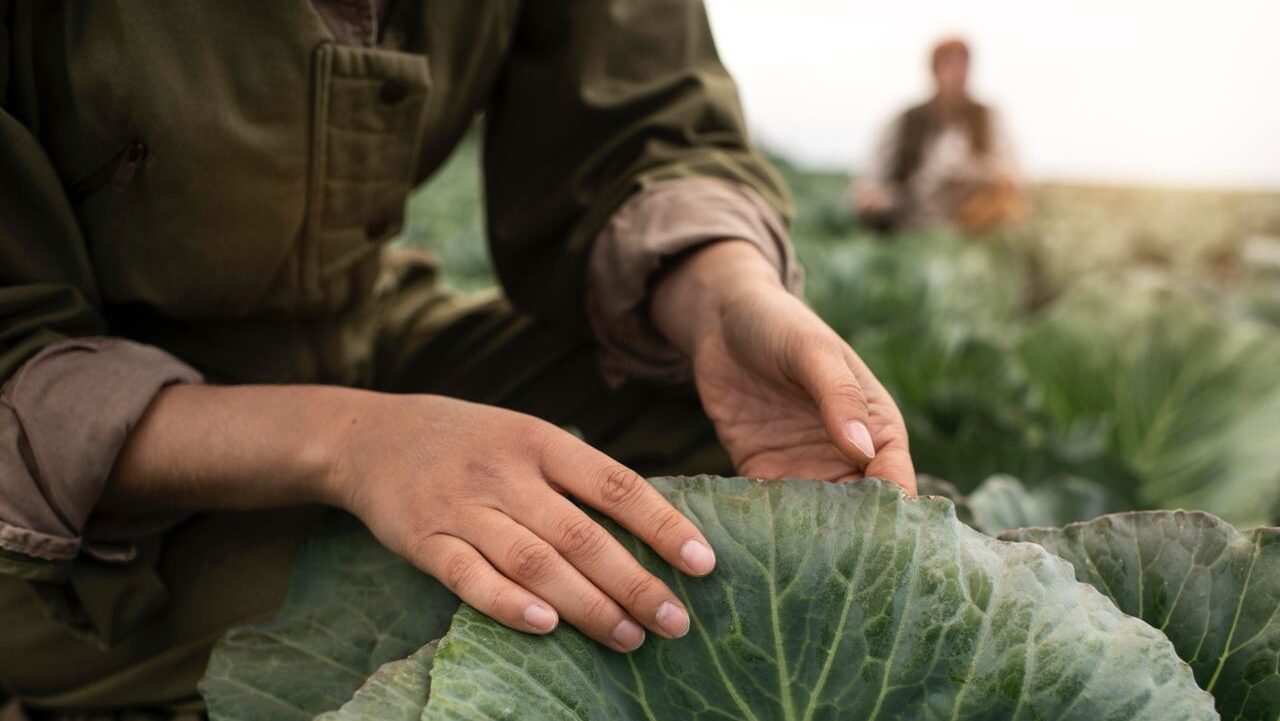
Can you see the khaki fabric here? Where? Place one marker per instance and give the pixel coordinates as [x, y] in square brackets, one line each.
[210, 189]
[82, 393]
[163, 613]
[254, 167]
[219, 182]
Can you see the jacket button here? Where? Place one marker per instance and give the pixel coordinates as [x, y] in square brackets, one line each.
[393, 91]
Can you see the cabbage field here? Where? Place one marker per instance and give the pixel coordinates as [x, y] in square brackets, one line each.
[1094, 399]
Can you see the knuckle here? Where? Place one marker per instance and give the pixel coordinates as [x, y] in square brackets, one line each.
[795, 345]
[850, 389]
[637, 589]
[580, 537]
[665, 522]
[806, 346]
[620, 486]
[461, 572]
[844, 394]
[543, 438]
[419, 545]
[531, 561]
[598, 611]
[499, 598]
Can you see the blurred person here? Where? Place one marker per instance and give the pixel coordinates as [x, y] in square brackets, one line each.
[944, 162]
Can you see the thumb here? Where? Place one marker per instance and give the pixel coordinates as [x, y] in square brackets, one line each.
[835, 389]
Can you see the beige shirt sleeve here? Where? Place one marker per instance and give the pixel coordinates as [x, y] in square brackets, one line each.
[654, 226]
[875, 177]
[64, 416]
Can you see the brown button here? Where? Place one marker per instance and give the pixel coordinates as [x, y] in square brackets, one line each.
[393, 91]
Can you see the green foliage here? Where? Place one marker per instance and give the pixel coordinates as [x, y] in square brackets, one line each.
[950, 327]
[1212, 590]
[445, 215]
[352, 607]
[1002, 503]
[828, 602]
[1121, 351]
[1186, 398]
[1042, 353]
[397, 691]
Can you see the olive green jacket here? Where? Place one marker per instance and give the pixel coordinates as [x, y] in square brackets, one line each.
[197, 189]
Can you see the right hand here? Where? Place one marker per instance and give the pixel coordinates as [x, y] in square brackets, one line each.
[475, 496]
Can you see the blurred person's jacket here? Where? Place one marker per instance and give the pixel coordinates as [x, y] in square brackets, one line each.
[939, 169]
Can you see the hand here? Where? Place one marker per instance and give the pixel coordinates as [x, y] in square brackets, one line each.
[788, 397]
[871, 199]
[475, 496]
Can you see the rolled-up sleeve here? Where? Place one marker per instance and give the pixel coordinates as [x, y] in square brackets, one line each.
[63, 418]
[606, 113]
[662, 222]
[68, 395]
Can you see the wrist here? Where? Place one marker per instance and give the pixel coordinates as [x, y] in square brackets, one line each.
[368, 433]
[688, 302]
[329, 461]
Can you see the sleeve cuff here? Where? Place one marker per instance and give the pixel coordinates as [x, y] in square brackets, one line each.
[653, 226]
[64, 417]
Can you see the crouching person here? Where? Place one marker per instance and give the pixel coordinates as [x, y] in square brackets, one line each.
[944, 163]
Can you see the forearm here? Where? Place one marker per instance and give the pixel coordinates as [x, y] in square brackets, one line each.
[210, 447]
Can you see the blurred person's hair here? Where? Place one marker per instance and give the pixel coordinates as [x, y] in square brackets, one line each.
[947, 46]
[922, 122]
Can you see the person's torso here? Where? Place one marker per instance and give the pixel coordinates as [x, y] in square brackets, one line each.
[940, 158]
[230, 160]
[948, 169]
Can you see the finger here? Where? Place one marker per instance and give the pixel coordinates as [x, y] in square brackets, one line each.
[602, 560]
[827, 377]
[621, 494]
[532, 563]
[461, 568]
[893, 461]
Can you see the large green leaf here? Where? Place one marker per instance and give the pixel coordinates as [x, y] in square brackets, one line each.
[836, 602]
[352, 607]
[396, 692]
[1213, 591]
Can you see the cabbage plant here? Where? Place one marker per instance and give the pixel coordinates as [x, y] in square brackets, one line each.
[828, 602]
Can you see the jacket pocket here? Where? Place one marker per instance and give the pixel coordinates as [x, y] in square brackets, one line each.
[116, 173]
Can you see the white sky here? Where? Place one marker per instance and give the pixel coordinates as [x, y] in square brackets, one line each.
[1167, 91]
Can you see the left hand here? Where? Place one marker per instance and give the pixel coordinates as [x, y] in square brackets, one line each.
[788, 397]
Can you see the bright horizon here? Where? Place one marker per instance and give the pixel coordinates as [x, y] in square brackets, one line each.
[1169, 92]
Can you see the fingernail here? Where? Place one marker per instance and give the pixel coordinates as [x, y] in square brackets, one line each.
[698, 557]
[673, 619]
[860, 437]
[540, 617]
[628, 635]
